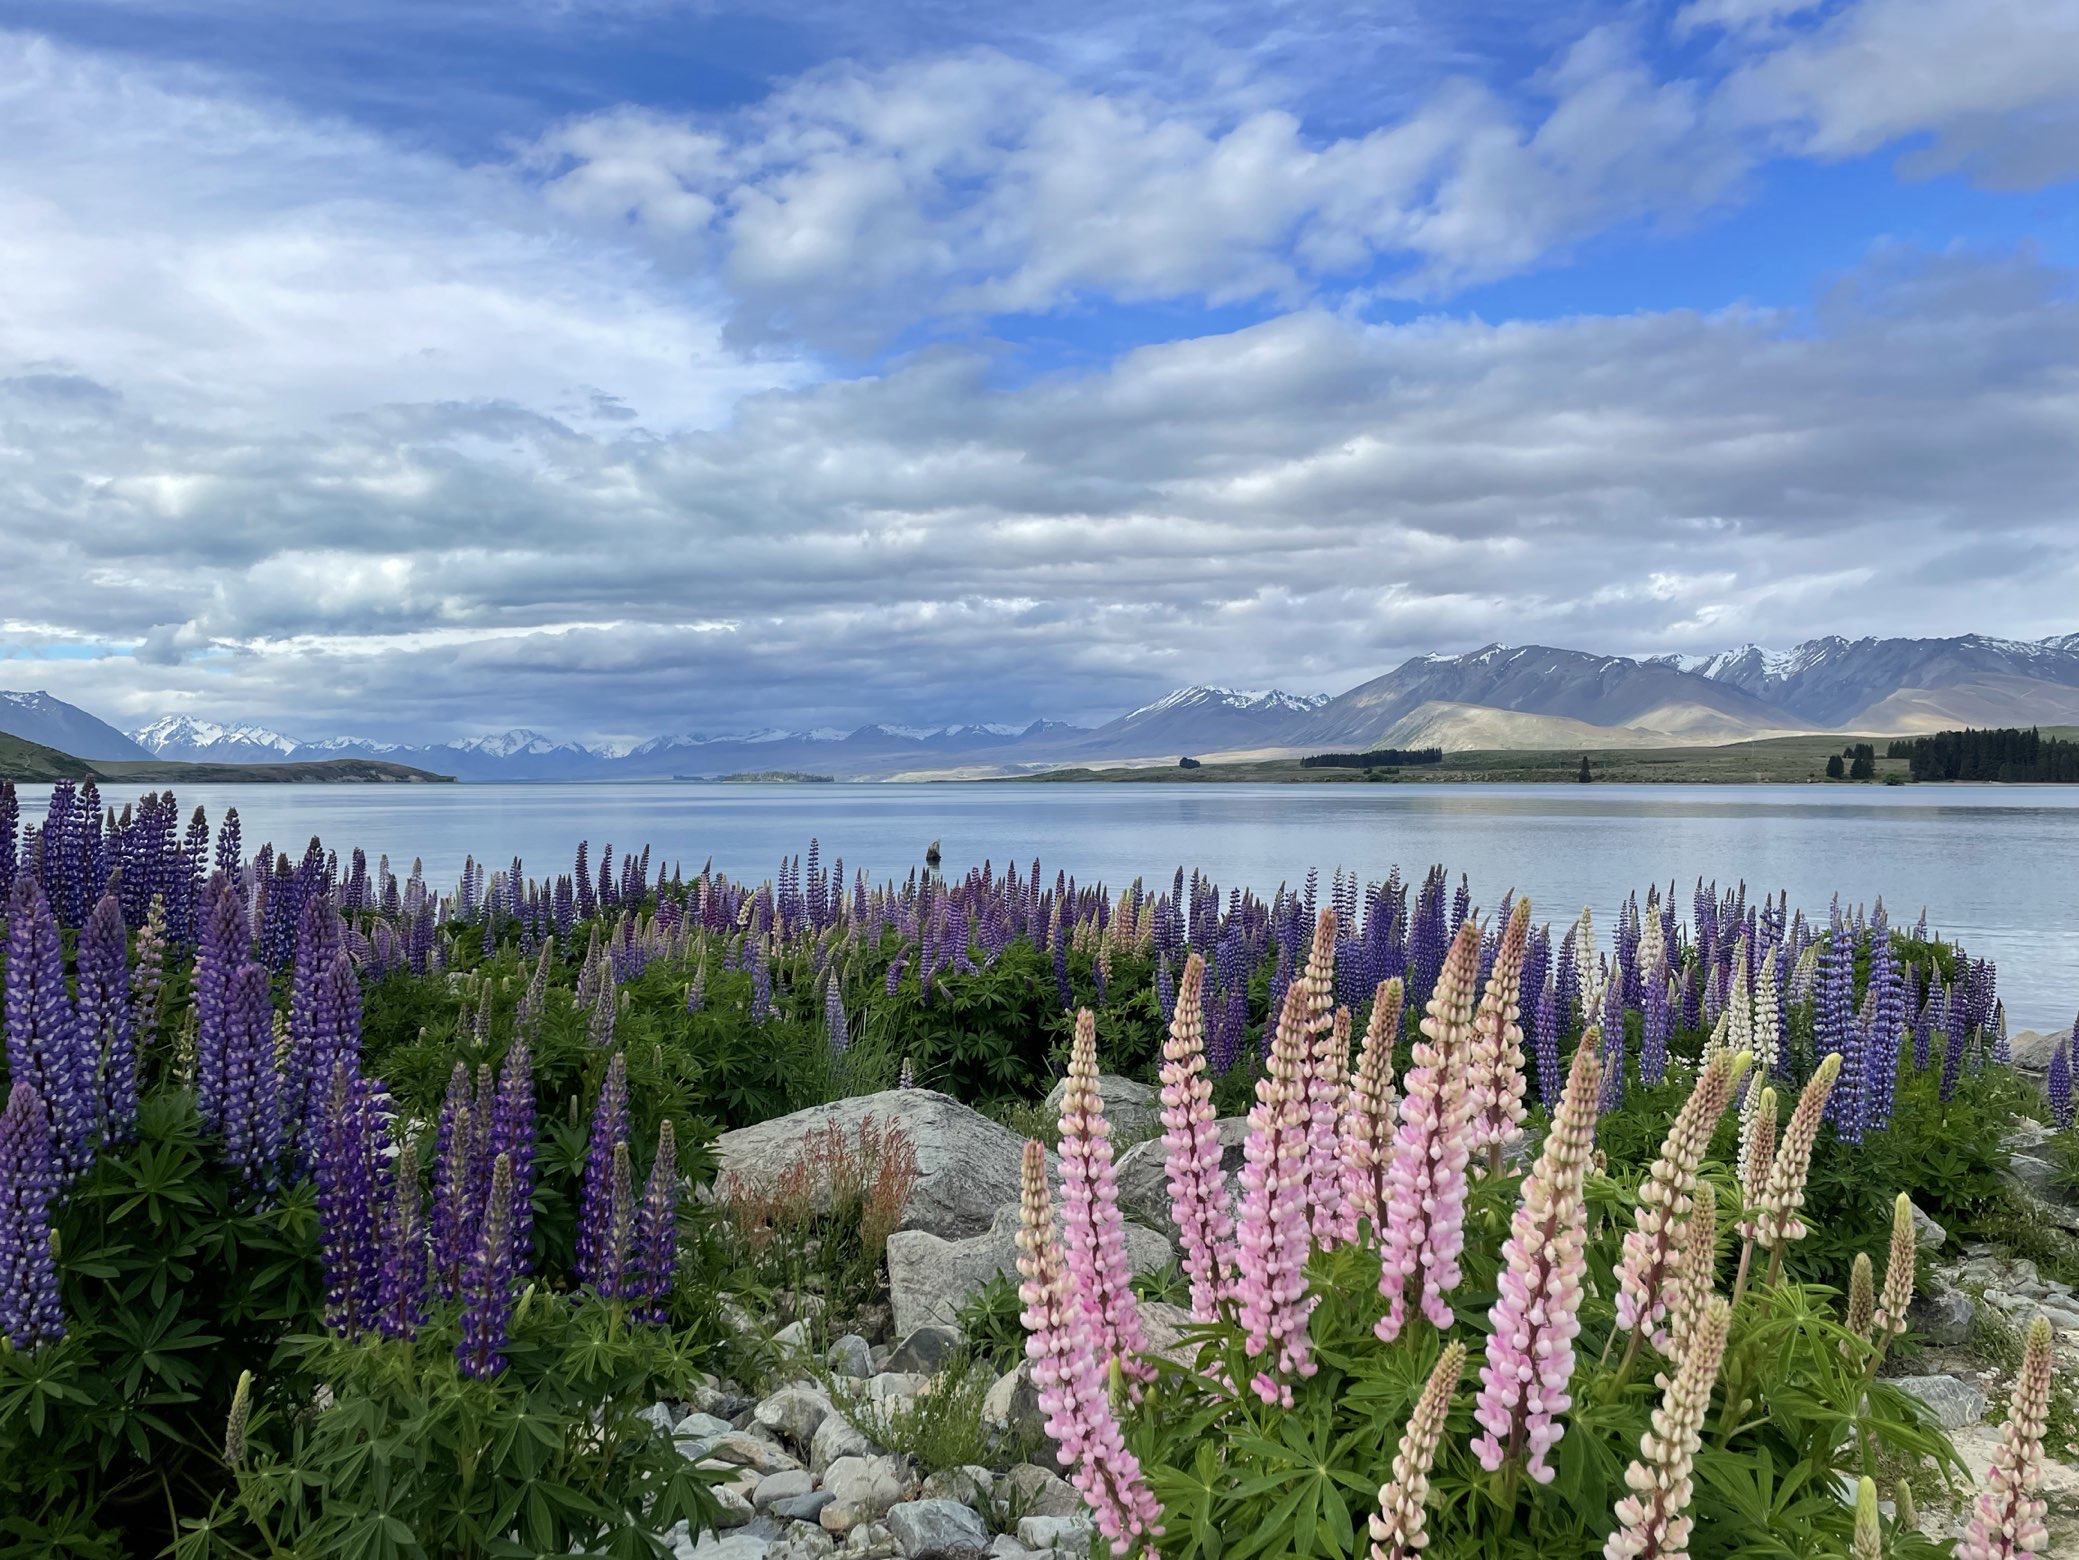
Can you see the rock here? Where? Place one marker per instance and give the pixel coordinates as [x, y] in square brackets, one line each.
[971, 1485]
[700, 1427]
[896, 1384]
[967, 1165]
[735, 1503]
[795, 1413]
[870, 1541]
[794, 1336]
[2025, 1134]
[1928, 1236]
[716, 1546]
[861, 1489]
[1007, 1547]
[1942, 1317]
[924, 1350]
[2030, 1051]
[784, 1485]
[1011, 1407]
[744, 1450]
[658, 1416]
[1132, 1110]
[1144, 1178]
[929, 1278]
[1163, 1324]
[1071, 1533]
[836, 1438]
[1037, 1492]
[851, 1356]
[1955, 1404]
[803, 1508]
[920, 1525]
[803, 1541]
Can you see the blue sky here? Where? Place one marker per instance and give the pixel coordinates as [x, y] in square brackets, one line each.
[617, 367]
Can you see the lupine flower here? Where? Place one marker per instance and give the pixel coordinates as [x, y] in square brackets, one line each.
[29, 1312]
[1653, 1520]
[616, 1248]
[1868, 1543]
[44, 1046]
[1862, 1296]
[235, 1422]
[657, 1228]
[1537, 1314]
[1757, 1154]
[346, 1175]
[1425, 1213]
[226, 941]
[1368, 1124]
[1272, 1240]
[401, 1295]
[1897, 1295]
[907, 1079]
[1400, 1526]
[1546, 1041]
[105, 1018]
[1068, 1377]
[487, 1283]
[1665, 1198]
[1784, 1193]
[455, 1183]
[1696, 1270]
[1495, 1052]
[251, 1122]
[1191, 1150]
[148, 978]
[1093, 1233]
[2007, 1518]
[2060, 1086]
[1328, 1081]
[596, 1198]
[512, 1134]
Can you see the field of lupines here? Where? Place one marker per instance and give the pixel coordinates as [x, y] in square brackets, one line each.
[342, 1215]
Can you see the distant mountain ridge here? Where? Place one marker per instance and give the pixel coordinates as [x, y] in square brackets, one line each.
[50, 722]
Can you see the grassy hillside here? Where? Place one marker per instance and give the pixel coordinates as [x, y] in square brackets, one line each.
[30, 761]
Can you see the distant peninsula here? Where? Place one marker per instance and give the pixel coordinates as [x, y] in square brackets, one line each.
[761, 777]
[33, 762]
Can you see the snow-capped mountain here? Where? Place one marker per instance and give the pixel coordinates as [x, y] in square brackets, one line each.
[190, 740]
[1885, 685]
[1269, 701]
[41, 718]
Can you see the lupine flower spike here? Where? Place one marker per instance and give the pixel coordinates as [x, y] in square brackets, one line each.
[1191, 1145]
[1530, 1343]
[1777, 1224]
[1495, 1063]
[1400, 1526]
[1093, 1232]
[1328, 1082]
[1273, 1239]
[1653, 1521]
[1696, 1271]
[1897, 1294]
[1368, 1124]
[29, 1313]
[2007, 1519]
[1862, 1297]
[1868, 1543]
[487, 1282]
[236, 1421]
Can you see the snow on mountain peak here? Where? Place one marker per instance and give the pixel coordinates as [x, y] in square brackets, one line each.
[1203, 695]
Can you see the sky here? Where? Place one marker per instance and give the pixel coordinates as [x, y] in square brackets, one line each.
[423, 368]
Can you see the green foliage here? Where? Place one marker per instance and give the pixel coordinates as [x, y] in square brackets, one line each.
[938, 1429]
[990, 1322]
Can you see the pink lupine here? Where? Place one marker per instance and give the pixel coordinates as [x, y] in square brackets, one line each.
[1069, 1377]
[1368, 1119]
[1653, 1521]
[1695, 1277]
[1273, 1240]
[1495, 1070]
[1426, 1185]
[1093, 1233]
[1399, 1527]
[2007, 1518]
[1537, 1315]
[1328, 1083]
[1197, 1191]
[1665, 1199]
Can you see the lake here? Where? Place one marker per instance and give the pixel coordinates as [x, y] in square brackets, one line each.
[1996, 866]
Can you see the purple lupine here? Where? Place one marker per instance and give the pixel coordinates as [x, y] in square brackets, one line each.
[1612, 1055]
[2059, 1086]
[10, 831]
[347, 1176]
[1887, 990]
[657, 1229]
[1656, 1026]
[1952, 1055]
[401, 1288]
[455, 1186]
[226, 939]
[252, 1109]
[1833, 1025]
[105, 1019]
[596, 1198]
[761, 982]
[834, 1018]
[487, 1282]
[1545, 1044]
[45, 1048]
[1924, 1025]
[29, 1311]
[512, 1134]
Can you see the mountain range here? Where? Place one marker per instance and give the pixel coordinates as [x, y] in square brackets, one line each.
[1529, 696]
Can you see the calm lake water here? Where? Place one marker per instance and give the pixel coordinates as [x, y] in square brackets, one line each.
[1996, 867]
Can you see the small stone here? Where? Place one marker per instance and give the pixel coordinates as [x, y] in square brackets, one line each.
[837, 1437]
[794, 1336]
[718, 1546]
[804, 1541]
[784, 1485]
[896, 1384]
[1943, 1317]
[919, 1525]
[1955, 1404]
[749, 1451]
[851, 1356]
[861, 1490]
[924, 1350]
[1039, 1492]
[1928, 1236]
[1071, 1533]
[658, 1416]
[1007, 1547]
[700, 1427]
[795, 1413]
[803, 1508]
[970, 1485]
[735, 1504]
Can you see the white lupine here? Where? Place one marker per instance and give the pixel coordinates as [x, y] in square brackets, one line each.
[1653, 1519]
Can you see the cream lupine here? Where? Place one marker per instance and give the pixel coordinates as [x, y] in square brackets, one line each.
[1897, 1294]
[1665, 1199]
[1093, 1233]
[1869, 1536]
[1739, 1007]
[1399, 1527]
[1777, 1223]
[1273, 1240]
[1495, 1063]
[1327, 1085]
[1587, 970]
[1425, 1208]
[1369, 1120]
[1653, 1521]
[1862, 1297]
[1691, 1284]
[2007, 1517]
[1537, 1313]
[1191, 1142]
[1757, 1153]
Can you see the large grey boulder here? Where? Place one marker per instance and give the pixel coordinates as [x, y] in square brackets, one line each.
[1132, 1110]
[861, 1489]
[1955, 1404]
[929, 1278]
[1144, 1178]
[922, 1525]
[967, 1165]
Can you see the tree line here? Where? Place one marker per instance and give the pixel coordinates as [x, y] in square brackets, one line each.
[2005, 753]
[1377, 758]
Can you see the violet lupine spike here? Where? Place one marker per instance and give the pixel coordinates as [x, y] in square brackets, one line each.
[401, 1291]
[226, 941]
[1537, 1314]
[1093, 1232]
[148, 978]
[251, 1121]
[1545, 1042]
[1653, 1521]
[1400, 1526]
[1368, 1124]
[2059, 1086]
[1425, 1213]
[657, 1229]
[596, 1195]
[2007, 1517]
[455, 1213]
[1068, 1376]
[1495, 1052]
[512, 1134]
[1666, 1196]
[44, 1046]
[1272, 1240]
[1191, 1143]
[347, 1177]
[834, 1026]
[615, 1278]
[106, 1019]
[29, 1311]
[487, 1282]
